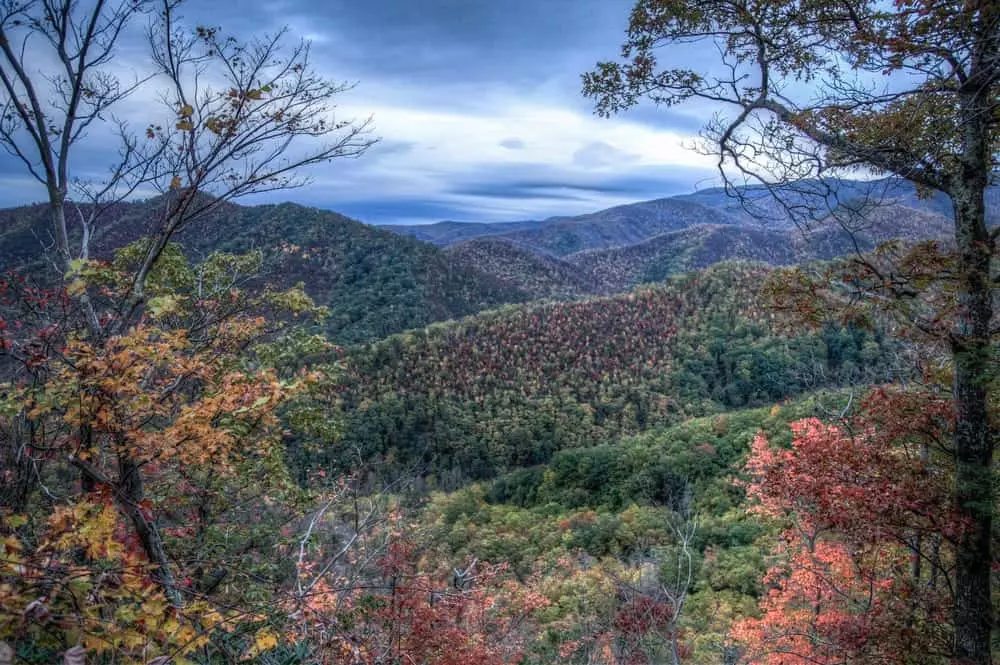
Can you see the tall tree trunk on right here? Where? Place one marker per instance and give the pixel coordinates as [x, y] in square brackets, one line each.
[973, 441]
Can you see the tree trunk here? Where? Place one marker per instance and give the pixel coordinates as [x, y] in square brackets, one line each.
[132, 495]
[60, 228]
[973, 441]
[19, 479]
[57, 215]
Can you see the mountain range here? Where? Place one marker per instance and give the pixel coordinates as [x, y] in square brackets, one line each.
[755, 207]
[380, 281]
[612, 250]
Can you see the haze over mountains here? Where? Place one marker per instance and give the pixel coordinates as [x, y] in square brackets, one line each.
[379, 281]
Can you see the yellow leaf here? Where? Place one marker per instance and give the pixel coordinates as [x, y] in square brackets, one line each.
[170, 625]
[264, 640]
[154, 608]
[175, 182]
[133, 640]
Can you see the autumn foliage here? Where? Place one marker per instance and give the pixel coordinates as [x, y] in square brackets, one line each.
[865, 564]
[127, 442]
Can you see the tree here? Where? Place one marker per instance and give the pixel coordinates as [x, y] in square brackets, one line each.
[121, 350]
[825, 87]
[351, 611]
[173, 429]
[648, 621]
[240, 118]
[46, 115]
[866, 561]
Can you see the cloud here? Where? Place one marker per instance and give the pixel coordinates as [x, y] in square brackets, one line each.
[457, 159]
[477, 103]
[438, 41]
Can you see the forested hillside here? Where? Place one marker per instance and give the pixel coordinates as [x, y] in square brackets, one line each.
[696, 247]
[569, 450]
[701, 246]
[613, 250]
[375, 282]
[508, 388]
[540, 275]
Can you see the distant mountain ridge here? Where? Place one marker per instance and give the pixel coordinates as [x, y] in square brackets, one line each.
[559, 236]
[880, 193]
[612, 250]
[380, 281]
[634, 222]
[653, 260]
[616, 270]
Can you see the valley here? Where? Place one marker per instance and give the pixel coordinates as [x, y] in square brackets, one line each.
[573, 403]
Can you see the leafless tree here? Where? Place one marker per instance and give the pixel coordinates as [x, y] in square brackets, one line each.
[655, 602]
[237, 118]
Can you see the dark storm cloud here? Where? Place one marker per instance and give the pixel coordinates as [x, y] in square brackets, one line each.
[442, 41]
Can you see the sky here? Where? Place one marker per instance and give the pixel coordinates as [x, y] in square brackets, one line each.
[477, 106]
